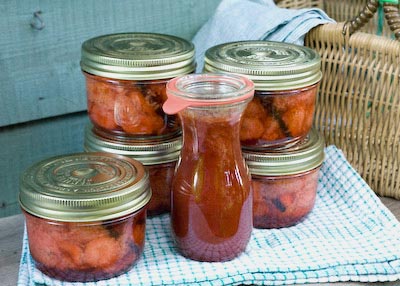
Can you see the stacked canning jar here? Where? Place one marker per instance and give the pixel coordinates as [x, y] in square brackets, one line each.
[159, 157]
[126, 76]
[85, 214]
[282, 150]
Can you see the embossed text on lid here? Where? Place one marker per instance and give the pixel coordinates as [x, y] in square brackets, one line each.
[271, 65]
[84, 187]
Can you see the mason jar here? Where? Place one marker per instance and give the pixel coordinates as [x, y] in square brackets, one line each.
[159, 156]
[85, 215]
[211, 212]
[285, 181]
[125, 77]
[286, 79]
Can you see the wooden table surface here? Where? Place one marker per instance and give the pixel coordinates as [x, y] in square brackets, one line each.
[11, 232]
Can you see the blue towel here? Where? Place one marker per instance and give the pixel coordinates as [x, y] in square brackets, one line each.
[349, 236]
[237, 20]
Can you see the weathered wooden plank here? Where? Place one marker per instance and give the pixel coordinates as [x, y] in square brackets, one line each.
[24, 144]
[40, 74]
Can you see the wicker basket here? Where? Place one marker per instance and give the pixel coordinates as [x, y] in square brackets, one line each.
[358, 107]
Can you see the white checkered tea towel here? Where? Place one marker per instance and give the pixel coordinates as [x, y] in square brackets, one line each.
[349, 236]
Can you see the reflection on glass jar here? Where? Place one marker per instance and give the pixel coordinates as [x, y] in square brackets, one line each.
[286, 80]
[211, 212]
[125, 81]
[85, 215]
[285, 181]
[128, 108]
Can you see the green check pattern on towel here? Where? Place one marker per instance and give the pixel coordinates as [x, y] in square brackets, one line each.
[349, 236]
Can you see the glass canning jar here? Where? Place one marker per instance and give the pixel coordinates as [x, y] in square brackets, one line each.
[159, 157]
[125, 77]
[211, 211]
[85, 214]
[285, 181]
[286, 79]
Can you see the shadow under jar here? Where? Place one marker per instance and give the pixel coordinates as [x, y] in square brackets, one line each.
[126, 75]
[85, 215]
[286, 79]
[285, 181]
[211, 211]
[158, 155]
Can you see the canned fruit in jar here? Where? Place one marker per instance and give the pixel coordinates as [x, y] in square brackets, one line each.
[86, 251]
[286, 78]
[128, 108]
[276, 118]
[131, 70]
[285, 200]
[158, 156]
[160, 177]
[285, 181]
[85, 214]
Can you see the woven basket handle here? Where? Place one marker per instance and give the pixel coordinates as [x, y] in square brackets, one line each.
[391, 12]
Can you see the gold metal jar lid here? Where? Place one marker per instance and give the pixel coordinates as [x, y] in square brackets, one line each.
[137, 56]
[270, 65]
[84, 187]
[304, 156]
[147, 151]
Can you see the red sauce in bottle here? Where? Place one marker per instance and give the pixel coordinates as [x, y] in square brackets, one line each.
[211, 211]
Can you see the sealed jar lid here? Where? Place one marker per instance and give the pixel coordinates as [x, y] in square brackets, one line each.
[148, 152]
[306, 155]
[137, 56]
[271, 65]
[84, 187]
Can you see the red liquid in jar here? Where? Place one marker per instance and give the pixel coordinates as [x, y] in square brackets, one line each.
[211, 198]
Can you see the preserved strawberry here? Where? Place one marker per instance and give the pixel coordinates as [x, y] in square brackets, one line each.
[86, 251]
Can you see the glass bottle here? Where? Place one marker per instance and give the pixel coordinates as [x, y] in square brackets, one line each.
[211, 205]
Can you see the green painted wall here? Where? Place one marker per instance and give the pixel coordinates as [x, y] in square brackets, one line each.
[42, 93]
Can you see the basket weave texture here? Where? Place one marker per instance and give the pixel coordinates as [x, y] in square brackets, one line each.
[358, 107]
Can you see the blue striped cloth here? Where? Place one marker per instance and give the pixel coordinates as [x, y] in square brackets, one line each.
[349, 236]
[238, 20]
